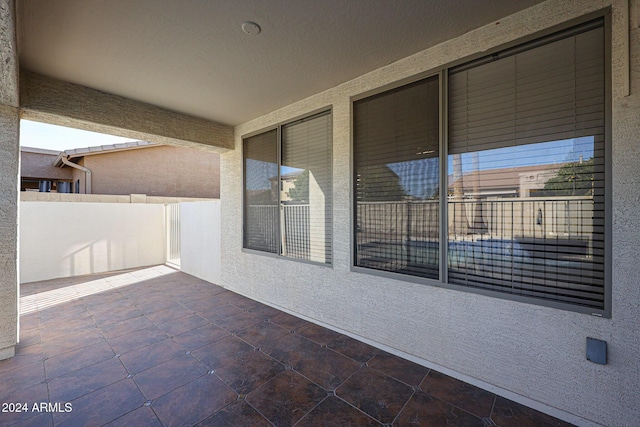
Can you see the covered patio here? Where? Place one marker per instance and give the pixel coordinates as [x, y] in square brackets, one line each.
[157, 347]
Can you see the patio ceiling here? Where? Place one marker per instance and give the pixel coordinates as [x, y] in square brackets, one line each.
[192, 56]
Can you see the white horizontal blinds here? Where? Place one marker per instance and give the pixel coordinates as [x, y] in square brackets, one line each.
[260, 192]
[526, 185]
[396, 148]
[306, 189]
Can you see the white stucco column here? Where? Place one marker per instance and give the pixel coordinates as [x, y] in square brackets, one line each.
[9, 165]
[9, 178]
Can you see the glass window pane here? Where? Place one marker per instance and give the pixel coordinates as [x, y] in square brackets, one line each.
[526, 172]
[305, 189]
[261, 192]
[396, 155]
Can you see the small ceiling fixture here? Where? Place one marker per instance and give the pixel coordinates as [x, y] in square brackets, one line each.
[251, 28]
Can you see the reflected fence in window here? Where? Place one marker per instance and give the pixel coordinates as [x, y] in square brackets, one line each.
[296, 231]
[388, 233]
[566, 217]
[295, 227]
[551, 248]
[262, 223]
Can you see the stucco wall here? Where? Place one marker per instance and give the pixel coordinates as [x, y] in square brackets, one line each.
[40, 165]
[525, 352]
[155, 171]
[9, 179]
[200, 240]
[9, 157]
[77, 174]
[70, 239]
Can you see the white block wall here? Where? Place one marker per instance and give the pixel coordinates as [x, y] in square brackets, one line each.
[64, 239]
[200, 240]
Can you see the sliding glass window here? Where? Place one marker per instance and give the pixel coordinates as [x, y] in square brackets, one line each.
[260, 192]
[396, 155]
[526, 149]
[525, 189]
[288, 203]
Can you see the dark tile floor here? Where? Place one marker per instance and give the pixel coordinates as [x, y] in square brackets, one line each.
[156, 347]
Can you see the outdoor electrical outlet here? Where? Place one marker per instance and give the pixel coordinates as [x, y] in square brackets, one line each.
[597, 351]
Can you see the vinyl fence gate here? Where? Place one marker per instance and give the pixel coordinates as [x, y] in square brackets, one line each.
[172, 218]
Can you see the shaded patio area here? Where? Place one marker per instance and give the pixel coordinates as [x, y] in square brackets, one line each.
[157, 347]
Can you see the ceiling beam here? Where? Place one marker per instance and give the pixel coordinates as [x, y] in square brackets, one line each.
[60, 103]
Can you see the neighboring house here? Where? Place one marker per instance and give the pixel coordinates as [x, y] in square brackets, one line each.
[520, 181]
[287, 182]
[38, 173]
[137, 167]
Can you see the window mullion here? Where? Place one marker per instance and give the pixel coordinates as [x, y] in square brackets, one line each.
[444, 193]
[278, 191]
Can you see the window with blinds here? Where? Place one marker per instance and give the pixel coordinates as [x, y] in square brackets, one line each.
[526, 188]
[305, 201]
[525, 173]
[396, 155]
[260, 192]
[288, 190]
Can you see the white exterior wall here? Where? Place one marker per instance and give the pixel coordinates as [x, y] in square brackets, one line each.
[9, 181]
[64, 239]
[9, 173]
[529, 353]
[200, 240]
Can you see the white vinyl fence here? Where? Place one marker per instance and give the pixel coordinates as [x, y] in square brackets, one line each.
[172, 220]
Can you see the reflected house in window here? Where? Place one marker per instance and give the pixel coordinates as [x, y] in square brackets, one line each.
[523, 210]
[377, 183]
[523, 181]
[288, 182]
[290, 216]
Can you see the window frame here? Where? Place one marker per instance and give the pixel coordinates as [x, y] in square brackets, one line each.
[442, 72]
[328, 110]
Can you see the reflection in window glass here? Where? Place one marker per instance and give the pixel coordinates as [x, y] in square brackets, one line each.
[305, 196]
[525, 143]
[260, 192]
[396, 155]
[526, 171]
[288, 201]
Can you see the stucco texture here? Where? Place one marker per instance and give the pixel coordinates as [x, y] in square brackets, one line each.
[155, 171]
[9, 165]
[529, 353]
[40, 166]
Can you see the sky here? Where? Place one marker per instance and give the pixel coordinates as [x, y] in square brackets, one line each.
[58, 138]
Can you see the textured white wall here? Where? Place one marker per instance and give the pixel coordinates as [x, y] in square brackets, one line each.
[526, 352]
[9, 165]
[200, 240]
[71, 239]
[9, 179]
